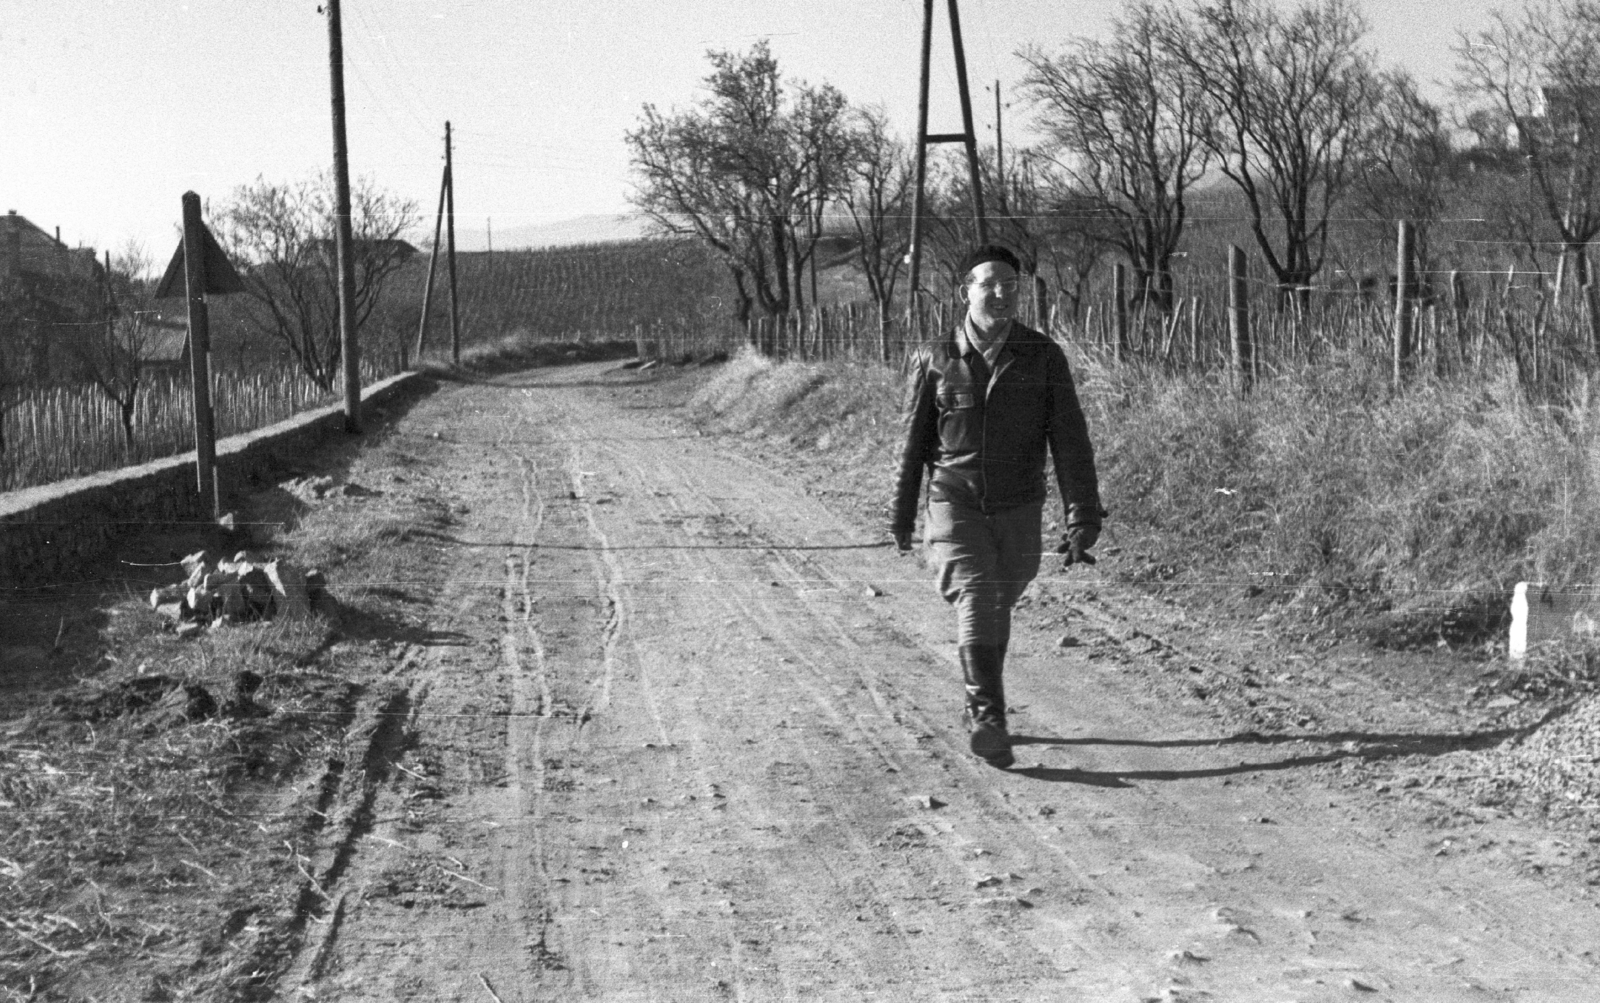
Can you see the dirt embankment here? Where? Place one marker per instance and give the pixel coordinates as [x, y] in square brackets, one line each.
[615, 706]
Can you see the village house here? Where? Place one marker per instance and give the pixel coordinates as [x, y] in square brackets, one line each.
[45, 293]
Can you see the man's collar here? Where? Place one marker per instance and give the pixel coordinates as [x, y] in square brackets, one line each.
[968, 338]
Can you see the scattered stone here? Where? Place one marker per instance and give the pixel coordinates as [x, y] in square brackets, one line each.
[988, 882]
[289, 589]
[928, 801]
[873, 592]
[1067, 641]
[232, 603]
[316, 586]
[1359, 986]
[1002, 902]
[257, 590]
[1186, 957]
[1046, 811]
[237, 590]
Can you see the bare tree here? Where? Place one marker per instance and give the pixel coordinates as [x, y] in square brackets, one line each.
[112, 354]
[283, 237]
[748, 171]
[1410, 169]
[1291, 94]
[1127, 124]
[879, 204]
[1539, 74]
[820, 127]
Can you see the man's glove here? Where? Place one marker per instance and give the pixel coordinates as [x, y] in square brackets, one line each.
[1083, 531]
[902, 539]
[1074, 548]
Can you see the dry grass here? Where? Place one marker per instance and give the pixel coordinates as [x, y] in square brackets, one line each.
[154, 813]
[1322, 488]
[126, 843]
[522, 349]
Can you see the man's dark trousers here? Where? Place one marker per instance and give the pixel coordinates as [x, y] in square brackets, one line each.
[985, 562]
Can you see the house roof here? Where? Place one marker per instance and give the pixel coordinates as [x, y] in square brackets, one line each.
[164, 346]
[158, 340]
[25, 247]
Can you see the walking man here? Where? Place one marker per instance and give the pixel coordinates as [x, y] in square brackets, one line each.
[983, 405]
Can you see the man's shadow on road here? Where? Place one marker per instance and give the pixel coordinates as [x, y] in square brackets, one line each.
[1346, 745]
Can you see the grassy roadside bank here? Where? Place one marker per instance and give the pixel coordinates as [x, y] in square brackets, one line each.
[1323, 492]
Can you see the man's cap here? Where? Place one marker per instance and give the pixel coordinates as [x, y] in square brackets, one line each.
[988, 252]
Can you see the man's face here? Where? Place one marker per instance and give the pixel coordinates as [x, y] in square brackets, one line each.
[990, 293]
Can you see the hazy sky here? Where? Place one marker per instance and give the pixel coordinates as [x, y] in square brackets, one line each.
[111, 109]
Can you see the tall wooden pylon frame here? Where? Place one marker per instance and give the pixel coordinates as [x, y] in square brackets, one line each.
[968, 137]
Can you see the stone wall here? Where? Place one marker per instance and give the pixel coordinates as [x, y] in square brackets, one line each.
[47, 531]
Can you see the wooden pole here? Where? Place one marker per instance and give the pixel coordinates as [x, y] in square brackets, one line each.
[350, 356]
[999, 153]
[1591, 299]
[1194, 332]
[433, 259]
[450, 246]
[914, 289]
[1239, 318]
[205, 430]
[966, 123]
[1402, 303]
[1119, 293]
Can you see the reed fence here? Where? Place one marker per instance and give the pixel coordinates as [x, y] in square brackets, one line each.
[52, 433]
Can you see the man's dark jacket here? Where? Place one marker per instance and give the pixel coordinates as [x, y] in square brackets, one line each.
[984, 434]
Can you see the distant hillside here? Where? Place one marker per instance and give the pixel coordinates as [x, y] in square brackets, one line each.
[596, 228]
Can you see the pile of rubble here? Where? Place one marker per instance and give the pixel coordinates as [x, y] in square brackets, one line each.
[238, 590]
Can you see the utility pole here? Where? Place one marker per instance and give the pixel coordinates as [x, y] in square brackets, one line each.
[450, 246]
[205, 430]
[967, 138]
[433, 259]
[350, 356]
[999, 151]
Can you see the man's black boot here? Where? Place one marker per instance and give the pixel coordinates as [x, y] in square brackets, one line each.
[981, 668]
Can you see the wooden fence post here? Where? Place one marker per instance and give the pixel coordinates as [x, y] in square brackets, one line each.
[1591, 299]
[1239, 318]
[1119, 292]
[1194, 332]
[1403, 282]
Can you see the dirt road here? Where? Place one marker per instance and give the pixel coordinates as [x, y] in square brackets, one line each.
[681, 731]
